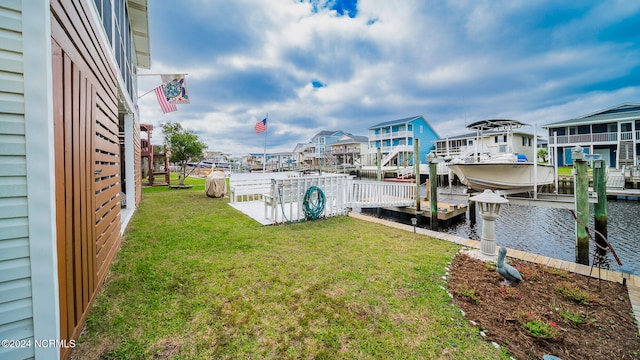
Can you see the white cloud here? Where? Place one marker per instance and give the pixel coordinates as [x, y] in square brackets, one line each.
[453, 62]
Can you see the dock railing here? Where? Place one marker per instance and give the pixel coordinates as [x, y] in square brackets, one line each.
[370, 194]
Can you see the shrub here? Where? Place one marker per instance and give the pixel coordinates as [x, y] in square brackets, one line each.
[470, 294]
[574, 293]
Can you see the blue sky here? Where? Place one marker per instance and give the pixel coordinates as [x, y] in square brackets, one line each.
[347, 65]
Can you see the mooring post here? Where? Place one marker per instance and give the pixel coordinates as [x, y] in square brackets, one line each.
[379, 161]
[581, 191]
[416, 163]
[472, 212]
[600, 208]
[433, 194]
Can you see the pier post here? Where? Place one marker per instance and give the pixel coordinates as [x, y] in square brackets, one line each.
[416, 163]
[581, 191]
[600, 208]
[433, 194]
[472, 212]
[379, 162]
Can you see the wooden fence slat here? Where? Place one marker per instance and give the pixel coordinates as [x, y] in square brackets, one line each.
[107, 145]
[59, 144]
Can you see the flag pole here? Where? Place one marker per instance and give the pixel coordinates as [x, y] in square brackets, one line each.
[150, 91]
[153, 74]
[264, 155]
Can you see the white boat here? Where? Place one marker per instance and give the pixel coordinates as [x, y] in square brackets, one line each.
[507, 172]
[506, 176]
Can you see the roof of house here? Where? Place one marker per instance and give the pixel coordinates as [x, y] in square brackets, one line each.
[398, 121]
[485, 134]
[330, 133]
[352, 139]
[138, 14]
[405, 121]
[626, 110]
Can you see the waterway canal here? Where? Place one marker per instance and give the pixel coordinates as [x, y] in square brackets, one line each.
[551, 232]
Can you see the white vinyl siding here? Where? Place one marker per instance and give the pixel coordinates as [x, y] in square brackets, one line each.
[16, 309]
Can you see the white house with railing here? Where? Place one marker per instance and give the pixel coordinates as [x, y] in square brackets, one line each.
[492, 142]
[613, 133]
[351, 150]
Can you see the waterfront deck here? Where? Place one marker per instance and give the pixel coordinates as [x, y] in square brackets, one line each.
[633, 284]
[446, 212]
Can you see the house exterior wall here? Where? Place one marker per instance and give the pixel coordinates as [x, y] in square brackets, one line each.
[59, 169]
[322, 143]
[16, 312]
[28, 282]
[427, 136]
[494, 142]
[396, 140]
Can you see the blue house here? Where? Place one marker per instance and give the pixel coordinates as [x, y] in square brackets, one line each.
[395, 139]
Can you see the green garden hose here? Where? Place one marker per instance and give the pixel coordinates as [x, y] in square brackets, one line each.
[313, 204]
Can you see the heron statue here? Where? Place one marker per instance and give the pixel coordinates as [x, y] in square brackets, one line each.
[508, 272]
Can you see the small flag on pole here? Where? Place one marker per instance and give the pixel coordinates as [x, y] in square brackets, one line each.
[162, 100]
[261, 126]
[175, 88]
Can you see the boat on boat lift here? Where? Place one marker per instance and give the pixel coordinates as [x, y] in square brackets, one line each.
[506, 172]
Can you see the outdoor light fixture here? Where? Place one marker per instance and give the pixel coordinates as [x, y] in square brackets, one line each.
[489, 206]
[626, 274]
[414, 221]
[577, 153]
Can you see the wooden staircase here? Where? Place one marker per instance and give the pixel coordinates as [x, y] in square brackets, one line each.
[615, 180]
[626, 154]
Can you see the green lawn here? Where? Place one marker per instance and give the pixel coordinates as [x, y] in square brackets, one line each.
[196, 279]
[567, 171]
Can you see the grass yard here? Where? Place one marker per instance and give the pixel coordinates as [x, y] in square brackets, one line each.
[196, 279]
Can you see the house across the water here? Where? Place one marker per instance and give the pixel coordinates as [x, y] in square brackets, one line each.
[612, 133]
[395, 140]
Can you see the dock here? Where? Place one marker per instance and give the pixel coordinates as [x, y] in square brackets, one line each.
[447, 212]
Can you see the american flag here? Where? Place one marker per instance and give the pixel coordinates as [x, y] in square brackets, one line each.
[261, 126]
[162, 100]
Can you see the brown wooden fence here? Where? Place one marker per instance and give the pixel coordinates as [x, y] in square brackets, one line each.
[87, 157]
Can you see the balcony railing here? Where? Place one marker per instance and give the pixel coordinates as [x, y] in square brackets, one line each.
[388, 149]
[627, 135]
[391, 135]
[344, 151]
[586, 138]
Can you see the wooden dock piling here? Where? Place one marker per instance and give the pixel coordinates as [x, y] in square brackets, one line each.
[600, 208]
[416, 160]
[433, 194]
[582, 209]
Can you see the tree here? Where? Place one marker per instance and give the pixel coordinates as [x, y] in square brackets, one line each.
[542, 153]
[182, 146]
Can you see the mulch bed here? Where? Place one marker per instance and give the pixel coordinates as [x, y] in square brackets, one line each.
[551, 312]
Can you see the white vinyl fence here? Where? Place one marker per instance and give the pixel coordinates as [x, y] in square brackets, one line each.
[283, 194]
[284, 203]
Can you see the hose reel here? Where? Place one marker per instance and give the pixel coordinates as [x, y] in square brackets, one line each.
[313, 203]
